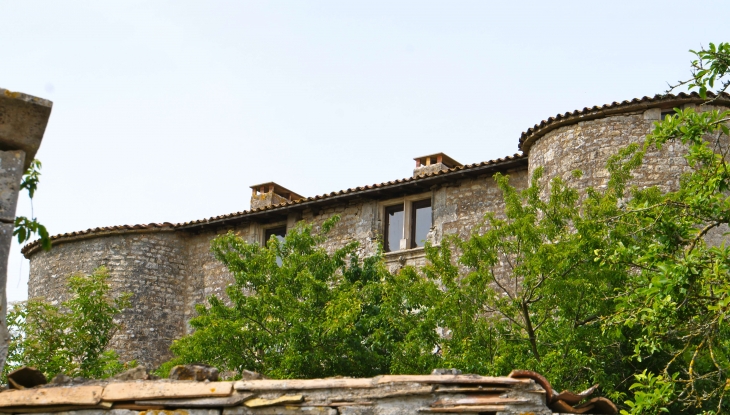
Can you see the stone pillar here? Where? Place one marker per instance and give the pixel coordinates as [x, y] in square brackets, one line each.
[23, 120]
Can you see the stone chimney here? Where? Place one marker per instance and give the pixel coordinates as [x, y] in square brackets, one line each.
[433, 163]
[270, 194]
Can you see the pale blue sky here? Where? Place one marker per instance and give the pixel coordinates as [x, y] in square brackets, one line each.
[169, 110]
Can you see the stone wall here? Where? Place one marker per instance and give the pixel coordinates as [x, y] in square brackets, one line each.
[150, 266]
[587, 146]
[169, 272]
[171, 269]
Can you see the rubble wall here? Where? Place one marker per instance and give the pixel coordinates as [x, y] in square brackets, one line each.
[457, 208]
[587, 146]
[150, 266]
[169, 272]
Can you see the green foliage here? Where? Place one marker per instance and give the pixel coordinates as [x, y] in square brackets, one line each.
[25, 228]
[296, 310]
[712, 65]
[652, 394]
[31, 178]
[525, 292]
[675, 299]
[70, 339]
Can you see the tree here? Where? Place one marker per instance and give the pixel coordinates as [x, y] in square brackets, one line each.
[677, 291]
[296, 310]
[72, 339]
[25, 228]
[524, 291]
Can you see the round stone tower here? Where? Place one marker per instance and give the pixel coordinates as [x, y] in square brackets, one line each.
[146, 262]
[585, 139]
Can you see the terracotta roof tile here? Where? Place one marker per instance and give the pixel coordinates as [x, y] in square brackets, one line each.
[532, 134]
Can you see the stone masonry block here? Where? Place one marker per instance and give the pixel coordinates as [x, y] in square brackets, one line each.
[23, 120]
[280, 410]
[653, 114]
[93, 412]
[11, 171]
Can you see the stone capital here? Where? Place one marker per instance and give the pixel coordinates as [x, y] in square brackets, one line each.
[23, 121]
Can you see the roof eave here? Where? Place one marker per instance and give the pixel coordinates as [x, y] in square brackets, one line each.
[528, 138]
[425, 181]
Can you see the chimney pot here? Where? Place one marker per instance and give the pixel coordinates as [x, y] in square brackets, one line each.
[441, 162]
[275, 195]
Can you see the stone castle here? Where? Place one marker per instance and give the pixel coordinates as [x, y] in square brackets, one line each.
[169, 269]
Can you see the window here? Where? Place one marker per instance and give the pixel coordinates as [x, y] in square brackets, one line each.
[394, 216]
[406, 224]
[420, 222]
[279, 232]
[664, 113]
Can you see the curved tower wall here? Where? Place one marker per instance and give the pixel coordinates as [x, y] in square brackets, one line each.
[150, 266]
[587, 146]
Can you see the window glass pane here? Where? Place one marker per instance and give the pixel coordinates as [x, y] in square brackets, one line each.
[393, 227]
[421, 222]
[280, 233]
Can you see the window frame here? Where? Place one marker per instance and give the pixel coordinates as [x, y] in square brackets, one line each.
[406, 242]
[265, 229]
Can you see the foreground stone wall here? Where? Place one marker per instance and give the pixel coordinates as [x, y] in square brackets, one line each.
[382, 395]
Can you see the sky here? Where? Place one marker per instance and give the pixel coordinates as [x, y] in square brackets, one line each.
[167, 111]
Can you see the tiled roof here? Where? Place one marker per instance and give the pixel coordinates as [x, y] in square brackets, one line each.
[454, 172]
[529, 137]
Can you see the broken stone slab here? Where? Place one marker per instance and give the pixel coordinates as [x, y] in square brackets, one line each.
[402, 406]
[468, 389]
[95, 411]
[303, 384]
[133, 412]
[77, 395]
[327, 396]
[284, 399]
[280, 410]
[143, 390]
[478, 400]
[463, 379]
[135, 407]
[56, 408]
[23, 121]
[235, 399]
[194, 372]
[181, 412]
[476, 409]
[26, 377]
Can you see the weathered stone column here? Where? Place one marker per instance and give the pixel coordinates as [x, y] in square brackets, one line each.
[23, 120]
